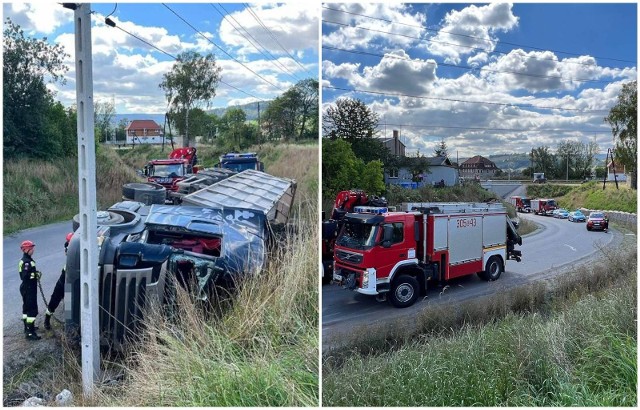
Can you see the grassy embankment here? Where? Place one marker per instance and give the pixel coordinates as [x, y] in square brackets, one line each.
[589, 195]
[38, 193]
[572, 342]
[260, 349]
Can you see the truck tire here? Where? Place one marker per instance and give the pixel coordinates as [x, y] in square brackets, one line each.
[113, 218]
[492, 270]
[404, 291]
[146, 192]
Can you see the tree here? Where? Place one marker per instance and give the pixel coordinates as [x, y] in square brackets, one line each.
[192, 81]
[234, 127]
[623, 118]
[441, 149]
[307, 93]
[543, 161]
[103, 113]
[575, 158]
[350, 119]
[28, 64]
[341, 170]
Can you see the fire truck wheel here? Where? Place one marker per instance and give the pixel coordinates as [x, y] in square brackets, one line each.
[404, 291]
[493, 269]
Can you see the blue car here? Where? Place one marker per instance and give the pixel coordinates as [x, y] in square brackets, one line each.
[577, 216]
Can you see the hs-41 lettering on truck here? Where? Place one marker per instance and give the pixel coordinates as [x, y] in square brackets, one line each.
[394, 255]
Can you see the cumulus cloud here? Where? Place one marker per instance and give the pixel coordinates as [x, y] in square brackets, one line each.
[292, 26]
[471, 28]
[38, 18]
[396, 73]
[351, 25]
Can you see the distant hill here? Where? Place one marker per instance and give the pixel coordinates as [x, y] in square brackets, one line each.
[521, 161]
[250, 109]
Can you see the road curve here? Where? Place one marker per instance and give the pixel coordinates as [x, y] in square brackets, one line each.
[557, 245]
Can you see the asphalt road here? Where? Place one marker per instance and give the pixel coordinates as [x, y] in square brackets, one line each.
[49, 258]
[558, 245]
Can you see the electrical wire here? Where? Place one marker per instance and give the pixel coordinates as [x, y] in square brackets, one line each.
[568, 80]
[474, 37]
[259, 47]
[112, 23]
[221, 49]
[255, 16]
[423, 97]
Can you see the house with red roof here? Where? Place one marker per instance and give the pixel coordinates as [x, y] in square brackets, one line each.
[144, 132]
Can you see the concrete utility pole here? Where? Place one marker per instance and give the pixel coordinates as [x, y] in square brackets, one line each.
[88, 206]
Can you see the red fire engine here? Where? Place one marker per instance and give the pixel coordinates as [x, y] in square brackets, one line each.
[396, 254]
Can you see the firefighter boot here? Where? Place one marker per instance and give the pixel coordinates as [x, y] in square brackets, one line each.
[26, 326]
[32, 335]
[47, 320]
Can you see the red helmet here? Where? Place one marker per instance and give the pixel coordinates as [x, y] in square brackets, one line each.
[69, 236]
[26, 245]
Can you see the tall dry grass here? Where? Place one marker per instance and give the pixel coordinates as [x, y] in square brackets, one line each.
[47, 191]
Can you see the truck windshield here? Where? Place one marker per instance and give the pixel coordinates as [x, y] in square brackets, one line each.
[239, 166]
[526, 202]
[168, 170]
[551, 202]
[357, 236]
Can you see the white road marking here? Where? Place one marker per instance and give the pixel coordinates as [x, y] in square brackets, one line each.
[570, 247]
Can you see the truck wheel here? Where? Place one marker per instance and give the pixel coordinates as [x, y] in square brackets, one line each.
[145, 192]
[104, 218]
[492, 270]
[404, 291]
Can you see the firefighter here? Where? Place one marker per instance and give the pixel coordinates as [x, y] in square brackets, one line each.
[29, 289]
[58, 291]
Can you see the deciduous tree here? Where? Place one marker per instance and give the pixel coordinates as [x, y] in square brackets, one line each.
[623, 118]
[191, 82]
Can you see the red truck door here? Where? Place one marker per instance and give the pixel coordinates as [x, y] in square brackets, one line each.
[399, 247]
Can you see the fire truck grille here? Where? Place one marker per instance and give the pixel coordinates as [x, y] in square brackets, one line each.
[349, 257]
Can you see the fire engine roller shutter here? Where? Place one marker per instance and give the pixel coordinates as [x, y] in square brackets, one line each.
[465, 238]
[494, 230]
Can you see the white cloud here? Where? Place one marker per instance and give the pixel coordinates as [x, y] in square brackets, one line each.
[38, 18]
[294, 26]
[400, 20]
[469, 28]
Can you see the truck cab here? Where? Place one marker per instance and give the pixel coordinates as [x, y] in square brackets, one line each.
[168, 172]
[241, 161]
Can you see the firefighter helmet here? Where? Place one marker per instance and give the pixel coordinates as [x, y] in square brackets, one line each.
[26, 245]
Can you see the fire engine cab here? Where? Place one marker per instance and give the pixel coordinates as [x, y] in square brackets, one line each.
[396, 254]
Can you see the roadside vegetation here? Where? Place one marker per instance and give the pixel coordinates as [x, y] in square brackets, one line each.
[570, 342]
[589, 195]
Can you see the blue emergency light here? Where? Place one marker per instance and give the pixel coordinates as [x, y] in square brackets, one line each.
[376, 210]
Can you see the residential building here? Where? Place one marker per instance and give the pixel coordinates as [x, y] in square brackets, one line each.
[395, 146]
[441, 171]
[144, 132]
[478, 167]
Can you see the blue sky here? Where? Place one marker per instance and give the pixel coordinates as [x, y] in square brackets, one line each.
[486, 78]
[127, 70]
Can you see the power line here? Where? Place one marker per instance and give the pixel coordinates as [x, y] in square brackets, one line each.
[259, 47]
[475, 37]
[557, 130]
[221, 49]
[255, 16]
[461, 101]
[112, 23]
[472, 68]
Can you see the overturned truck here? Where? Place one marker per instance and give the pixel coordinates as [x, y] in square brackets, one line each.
[216, 235]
